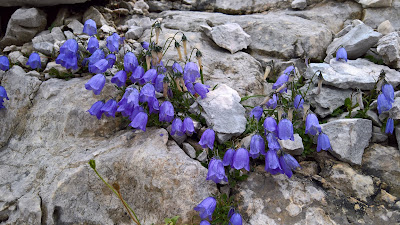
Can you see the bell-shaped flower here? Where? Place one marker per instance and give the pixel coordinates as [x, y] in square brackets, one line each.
[96, 83]
[96, 56]
[205, 222]
[113, 42]
[298, 102]
[389, 126]
[388, 92]
[111, 58]
[177, 68]
[188, 126]
[154, 105]
[160, 67]
[201, 89]
[34, 61]
[70, 47]
[216, 171]
[288, 163]
[288, 70]
[256, 112]
[285, 130]
[177, 127]
[190, 88]
[228, 157]
[130, 62]
[383, 104]
[241, 159]
[147, 92]
[207, 139]
[257, 146]
[89, 27]
[140, 121]
[273, 102]
[323, 142]
[93, 45]
[135, 111]
[206, 208]
[109, 108]
[236, 219]
[68, 55]
[149, 76]
[312, 125]
[281, 81]
[270, 125]
[95, 110]
[231, 212]
[166, 112]
[4, 63]
[273, 143]
[145, 45]
[137, 75]
[191, 72]
[272, 164]
[159, 84]
[100, 66]
[129, 101]
[119, 78]
[3, 93]
[341, 54]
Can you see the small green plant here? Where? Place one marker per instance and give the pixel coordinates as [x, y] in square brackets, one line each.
[224, 204]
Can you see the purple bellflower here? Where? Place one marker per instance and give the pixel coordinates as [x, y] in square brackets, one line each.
[256, 113]
[177, 127]
[201, 89]
[111, 58]
[159, 84]
[207, 139]
[34, 61]
[231, 212]
[236, 219]
[257, 146]
[270, 125]
[273, 143]
[281, 81]
[93, 45]
[206, 208]
[68, 55]
[285, 130]
[177, 68]
[205, 222]
[288, 163]
[95, 110]
[135, 111]
[99, 67]
[96, 56]
[96, 83]
[288, 70]
[273, 102]
[154, 105]
[3, 93]
[190, 88]
[130, 62]
[241, 159]
[384, 104]
[119, 78]
[188, 126]
[4, 63]
[149, 76]
[166, 112]
[388, 92]
[129, 101]
[216, 171]
[137, 75]
[145, 45]
[140, 121]
[147, 92]
[341, 54]
[312, 125]
[298, 102]
[389, 126]
[323, 142]
[90, 27]
[228, 157]
[109, 108]
[113, 42]
[191, 72]
[272, 164]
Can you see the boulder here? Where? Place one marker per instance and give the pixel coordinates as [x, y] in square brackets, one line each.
[230, 36]
[375, 3]
[44, 43]
[94, 14]
[375, 16]
[348, 138]
[134, 32]
[389, 49]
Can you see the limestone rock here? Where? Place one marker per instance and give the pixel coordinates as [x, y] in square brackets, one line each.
[375, 3]
[375, 16]
[223, 112]
[23, 25]
[385, 27]
[134, 32]
[17, 58]
[189, 150]
[299, 4]
[94, 14]
[378, 135]
[45, 43]
[76, 26]
[38, 3]
[231, 37]
[349, 138]
[394, 112]
[389, 49]
[293, 147]
[356, 42]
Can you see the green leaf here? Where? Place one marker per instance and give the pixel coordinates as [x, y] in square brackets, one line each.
[347, 103]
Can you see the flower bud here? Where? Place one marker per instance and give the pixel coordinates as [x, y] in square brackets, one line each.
[178, 48]
[320, 79]
[184, 42]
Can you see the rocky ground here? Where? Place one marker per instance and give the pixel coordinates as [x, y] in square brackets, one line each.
[47, 137]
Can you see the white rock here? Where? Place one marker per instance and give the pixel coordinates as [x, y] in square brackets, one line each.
[385, 27]
[375, 3]
[17, 57]
[295, 147]
[231, 37]
[189, 150]
[134, 32]
[389, 49]
[107, 29]
[299, 4]
[38, 3]
[94, 14]
[76, 26]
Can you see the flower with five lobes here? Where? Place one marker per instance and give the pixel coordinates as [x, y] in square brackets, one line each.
[272, 164]
[137, 75]
[384, 104]
[388, 92]
[312, 125]
[154, 105]
[177, 68]
[176, 127]
[270, 125]
[206, 208]
[95, 110]
[96, 83]
[148, 91]
[256, 113]
[140, 121]
[130, 62]
[188, 126]
[201, 89]
[34, 61]
[389, 126]
[241, 159]
[149, 76]
[93, 45]
[145, 45]
[191, 72]
[166, 112]
[90, 27]
[288, 163]
[113, 42]
[99, 67]
[273, 102]
[68, 56]
[257, 146]
[323, 142]
[341, 54]
[216, 171]
[4, 63]
[207, 139]
[236, 219]
[111, 58]
[273, 143]
[285, 130]
[228, 157]
[281, 81]
[119, 78]
[3, 93]
[298, 102]
[109, 108]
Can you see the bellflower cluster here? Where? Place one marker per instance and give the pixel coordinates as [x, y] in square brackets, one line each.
[206, 208]
[68, 56]
[4, 63]
[34, 61]
[3, 95]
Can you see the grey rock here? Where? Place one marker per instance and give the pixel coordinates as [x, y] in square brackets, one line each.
[243, 7]
[223, 112]
[38, 3]
[375, 3]
[142, 6]
[394, 112]
[375, 16]
[36, 74]
[17, 58]
[177, 138]
[245, 142]
[383, 162]
[134, 32]
[69, 35]
[397, 133]
[56, 34]
[46, 48]
[189, 150]
[385, 27]
[348, 138]
[360, 73]
[299, 4]
[231, 37]
[377, 135]
[202, 157]
[94, 14]
[76, 26]
[107, 29]
[23, 25]
[389, 49]
[356, 42]
[62, 14]
[344, 31]
[56, 66]
[373, 116]
[295, 147]
[10, 48]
